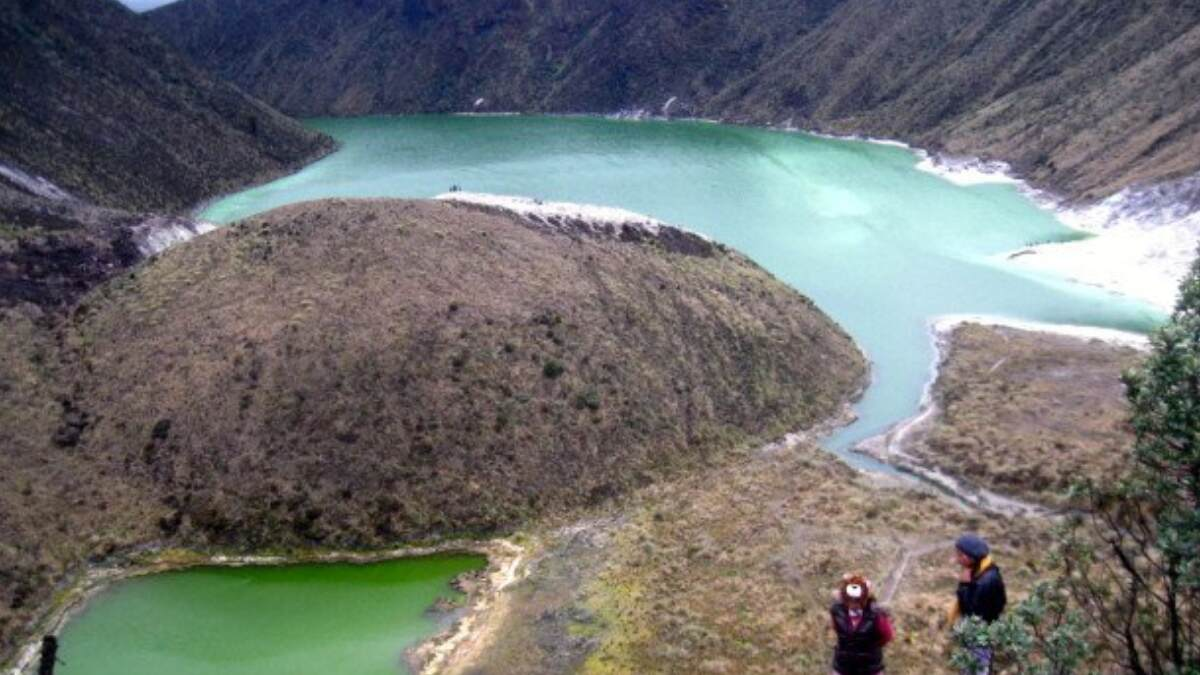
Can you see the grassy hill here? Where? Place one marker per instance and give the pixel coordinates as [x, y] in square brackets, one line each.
[362, 373]
[1082, 97]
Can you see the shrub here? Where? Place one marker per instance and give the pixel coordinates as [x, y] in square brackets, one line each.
[589, 399]
[1127, 559]
[1042, 635]
[553, 369]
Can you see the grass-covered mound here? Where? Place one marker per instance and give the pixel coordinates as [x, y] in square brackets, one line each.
[357, 373]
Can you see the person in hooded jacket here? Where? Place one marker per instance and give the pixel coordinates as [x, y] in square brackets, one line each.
[862, 627]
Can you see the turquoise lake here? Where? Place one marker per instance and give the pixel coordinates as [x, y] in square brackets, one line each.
[879, 245]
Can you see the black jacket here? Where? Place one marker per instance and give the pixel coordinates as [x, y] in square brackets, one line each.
[983, 597]
[859, 649]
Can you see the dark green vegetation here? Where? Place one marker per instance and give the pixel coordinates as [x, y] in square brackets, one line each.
[1125, 590]
[1131, 564]
[360, 373]
[101, 120]
[1082, 97]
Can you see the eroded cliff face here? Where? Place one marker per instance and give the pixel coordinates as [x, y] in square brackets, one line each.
[1082, 97]
[55, 247]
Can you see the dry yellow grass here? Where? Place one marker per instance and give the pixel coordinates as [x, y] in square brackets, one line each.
[1027, 414]
[730, 570]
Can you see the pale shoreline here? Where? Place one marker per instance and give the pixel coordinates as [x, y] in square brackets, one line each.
[889, 446]
[503, 561]
[1143, 241]
[549, 211]
[948, 322]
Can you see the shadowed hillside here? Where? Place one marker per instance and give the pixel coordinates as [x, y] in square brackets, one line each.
[101, 120]
[103, 108]
[359, 373]
[1083, 97]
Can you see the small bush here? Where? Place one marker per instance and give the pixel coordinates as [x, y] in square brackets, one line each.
[1042, 635]
[589, 399]
[553, 369]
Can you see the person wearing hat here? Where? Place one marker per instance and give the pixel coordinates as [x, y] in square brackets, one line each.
[980, 590]
[862, 627]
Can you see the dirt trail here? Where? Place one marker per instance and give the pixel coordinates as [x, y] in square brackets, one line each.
[891, 584]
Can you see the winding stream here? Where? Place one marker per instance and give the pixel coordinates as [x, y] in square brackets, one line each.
[879, 245]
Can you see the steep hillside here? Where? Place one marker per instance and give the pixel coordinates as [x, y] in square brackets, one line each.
[96, 103]
[359, 373]
[100, 121]
[54, 248]
[1083, 97]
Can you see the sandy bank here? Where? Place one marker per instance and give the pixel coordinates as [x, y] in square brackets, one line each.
[1143, 241]
[551, 212]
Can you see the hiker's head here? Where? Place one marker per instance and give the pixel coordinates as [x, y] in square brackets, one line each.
[971, 550]
[856, 590]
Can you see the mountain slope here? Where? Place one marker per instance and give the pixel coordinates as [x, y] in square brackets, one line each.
[363, 373]
[95, 102]
[101, 121]
[1083, 97]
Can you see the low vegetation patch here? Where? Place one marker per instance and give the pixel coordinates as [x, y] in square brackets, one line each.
[1028, 414]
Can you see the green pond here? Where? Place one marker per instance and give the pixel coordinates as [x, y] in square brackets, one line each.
[326, 619]
[879, 245]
